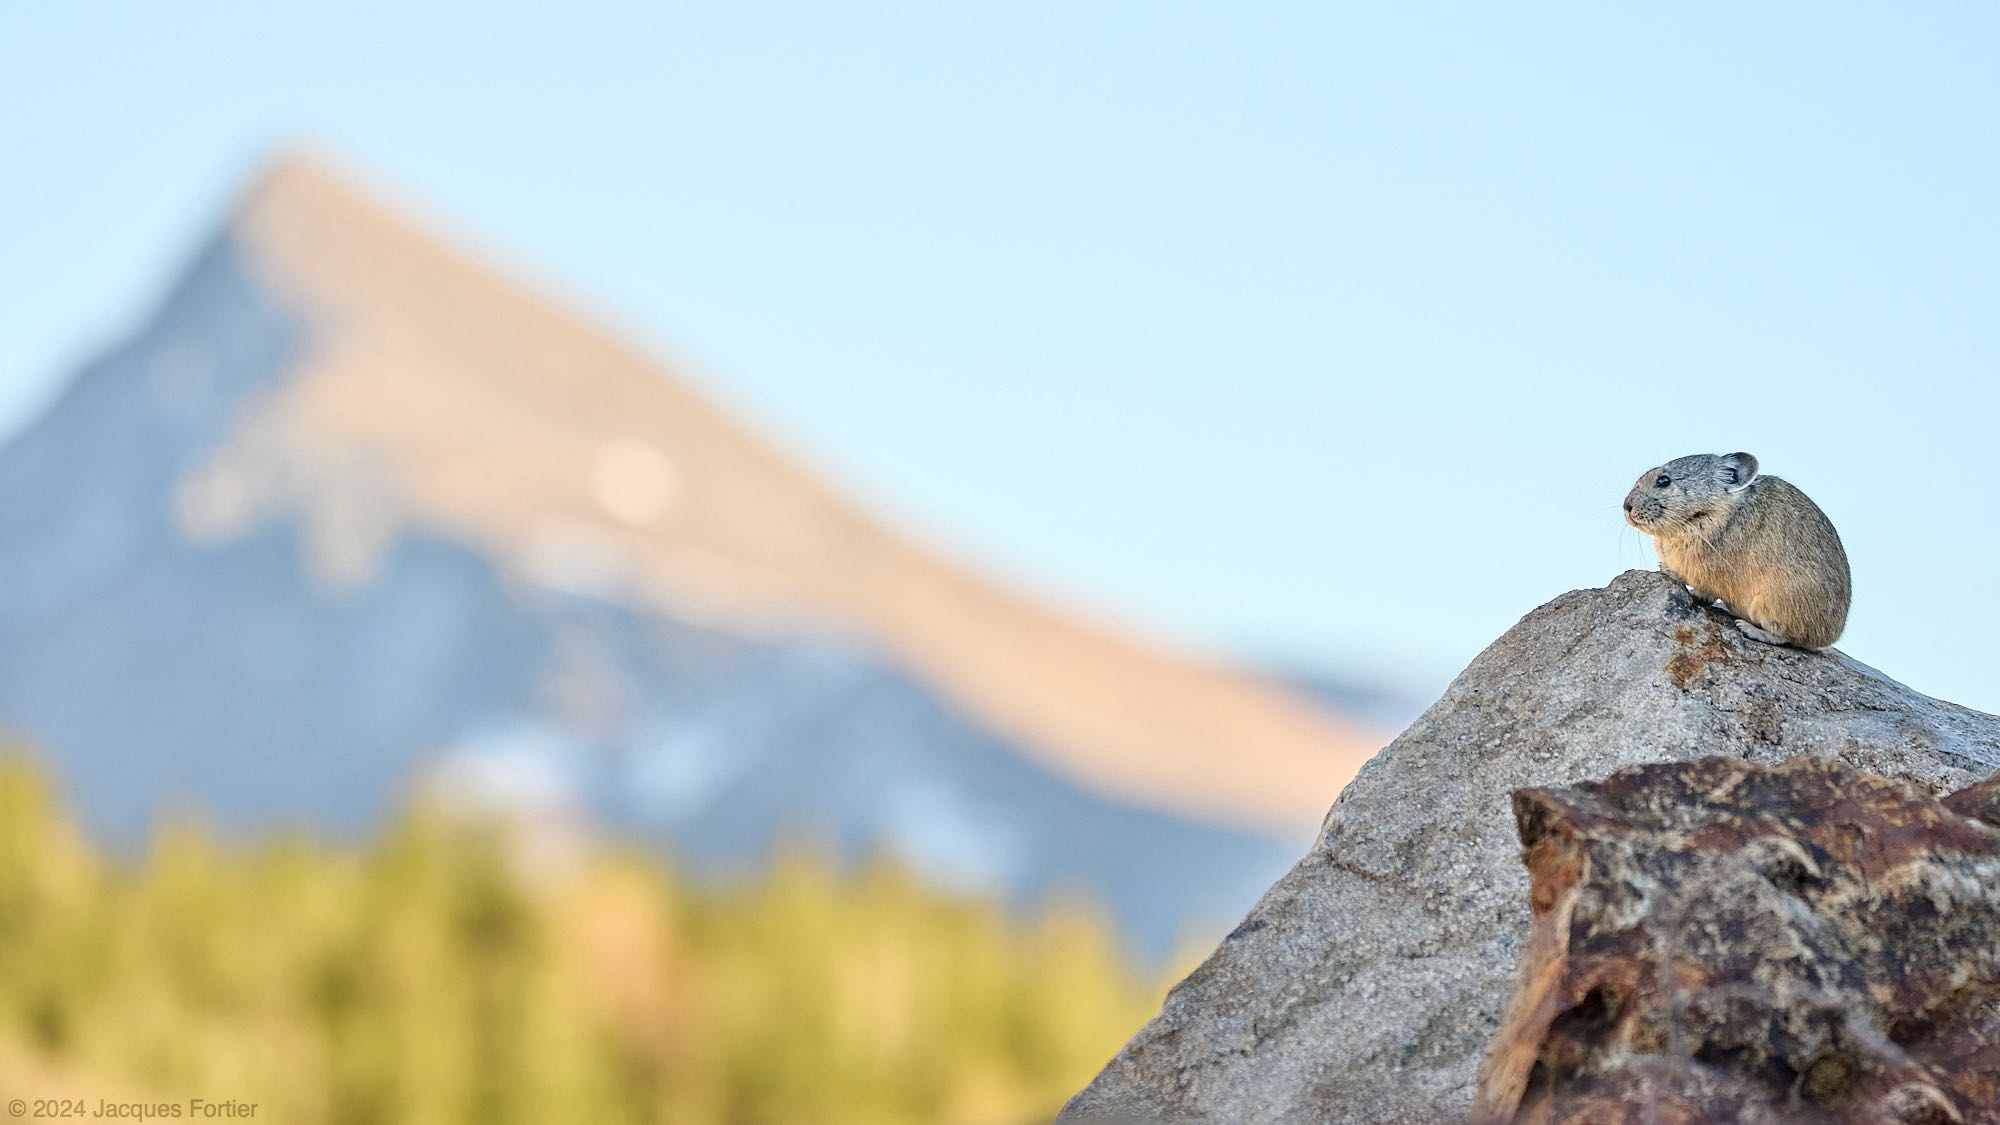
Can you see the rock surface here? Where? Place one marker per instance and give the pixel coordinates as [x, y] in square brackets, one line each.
[1365, 986]
[1716, 941]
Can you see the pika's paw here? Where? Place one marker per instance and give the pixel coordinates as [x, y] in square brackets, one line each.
[1756, 634]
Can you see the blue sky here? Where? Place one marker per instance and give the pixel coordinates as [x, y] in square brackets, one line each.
[1295, 331]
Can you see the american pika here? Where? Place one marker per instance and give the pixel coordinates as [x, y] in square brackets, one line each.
[1754, 543]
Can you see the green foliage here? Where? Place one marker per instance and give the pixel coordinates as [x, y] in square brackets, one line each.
[423, 979]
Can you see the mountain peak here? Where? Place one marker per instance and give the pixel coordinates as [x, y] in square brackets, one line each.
[299, 170]
[479, 406]
[303, 191]
[355, 410]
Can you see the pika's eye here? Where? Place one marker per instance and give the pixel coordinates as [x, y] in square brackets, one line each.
[1662, 481]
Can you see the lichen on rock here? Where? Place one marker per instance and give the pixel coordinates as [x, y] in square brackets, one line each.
[1718, 941]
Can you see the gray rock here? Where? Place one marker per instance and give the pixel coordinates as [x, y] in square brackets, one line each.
[1365, 985]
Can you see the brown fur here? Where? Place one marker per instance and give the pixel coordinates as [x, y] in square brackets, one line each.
[1765, 551]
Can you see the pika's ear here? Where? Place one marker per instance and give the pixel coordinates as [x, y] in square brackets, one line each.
[1738, 471]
